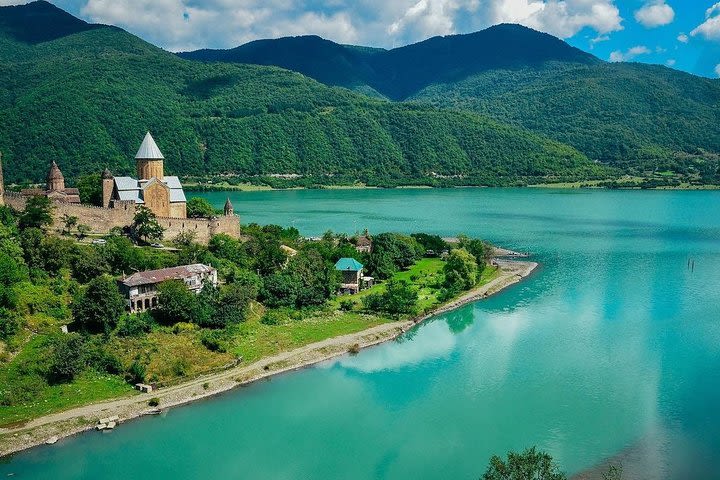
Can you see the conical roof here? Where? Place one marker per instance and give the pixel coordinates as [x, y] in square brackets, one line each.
[55, 173]
[149, 149]
[228, 205]
[106, 174]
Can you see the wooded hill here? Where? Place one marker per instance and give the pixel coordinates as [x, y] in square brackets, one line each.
[635, 116]
[84, 96]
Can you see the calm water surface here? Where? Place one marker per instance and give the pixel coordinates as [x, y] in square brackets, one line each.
[610, 351]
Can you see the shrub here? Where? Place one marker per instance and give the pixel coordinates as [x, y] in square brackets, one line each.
[354, 349]
[346, 305]
[154, 402]
[275, 317]
[136, 373]
[134, 325]
[213, 341]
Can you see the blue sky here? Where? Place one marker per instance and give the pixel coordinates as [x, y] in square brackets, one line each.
[684, 34]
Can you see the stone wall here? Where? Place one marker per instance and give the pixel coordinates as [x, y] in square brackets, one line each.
[102, 220]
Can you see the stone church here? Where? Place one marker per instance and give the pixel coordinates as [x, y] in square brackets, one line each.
[152, 189]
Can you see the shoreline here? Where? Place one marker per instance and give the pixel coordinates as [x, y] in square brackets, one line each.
[70, 422]
[579, 185]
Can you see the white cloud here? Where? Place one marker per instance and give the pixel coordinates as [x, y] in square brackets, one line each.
[682, 38]
[7, 3]
[189, 24]
[671, 62]
[710, 28]
[563, 18]
[655, 13]
[717, 69]
[619, 56]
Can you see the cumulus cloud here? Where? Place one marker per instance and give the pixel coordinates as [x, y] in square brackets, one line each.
[682, 38]
[188, 24]
[671, 62]
[563, 18]
[710, 28]
[620, 56]
[655, 13]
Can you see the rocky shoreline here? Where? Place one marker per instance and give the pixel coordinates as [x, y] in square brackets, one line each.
[70, 422]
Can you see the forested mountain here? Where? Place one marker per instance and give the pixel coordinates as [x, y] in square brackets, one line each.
[635, 116]
[85, 95]
[403, 72]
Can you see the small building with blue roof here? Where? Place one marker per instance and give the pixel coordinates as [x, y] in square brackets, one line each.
[352, 275]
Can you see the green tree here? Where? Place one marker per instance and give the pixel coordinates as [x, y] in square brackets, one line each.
[69, 222]
[67, 358]
[37, 213]
[460, 270]
[529, 465]
[83, 230]
[315, 278]
[145, 225]
[91, 189]
[398, 298]
[200, 208]
[99, 307]
[175, 303]
[233, 304]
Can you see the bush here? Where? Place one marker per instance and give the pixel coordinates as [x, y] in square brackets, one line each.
[67, 357]
[346, 305]
[134, 325]
[275, 317]
[213, 341]
[354, 349]
[137, 372]
[154, 402]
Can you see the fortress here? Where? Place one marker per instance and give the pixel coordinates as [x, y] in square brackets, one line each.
[121, 196]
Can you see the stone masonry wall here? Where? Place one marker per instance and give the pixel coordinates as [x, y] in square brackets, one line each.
[102, 220]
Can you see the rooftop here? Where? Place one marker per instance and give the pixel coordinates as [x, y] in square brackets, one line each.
[148, 149]
[173, 273]
[349, 265]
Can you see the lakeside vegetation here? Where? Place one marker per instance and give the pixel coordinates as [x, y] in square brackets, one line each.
[268, 301]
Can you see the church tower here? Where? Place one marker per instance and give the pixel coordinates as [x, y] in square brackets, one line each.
[149, 160]
[2, 183]
[55, 179]
[229, 210]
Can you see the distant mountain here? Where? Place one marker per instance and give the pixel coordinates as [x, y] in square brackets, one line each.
[85, 95]
[39, 22]
[639, 117]
[404, 71]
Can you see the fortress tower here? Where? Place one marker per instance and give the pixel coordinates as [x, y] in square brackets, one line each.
[149, 160]
[107, 187]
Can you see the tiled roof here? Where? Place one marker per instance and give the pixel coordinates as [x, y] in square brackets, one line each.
[173, 273]
[348, 264]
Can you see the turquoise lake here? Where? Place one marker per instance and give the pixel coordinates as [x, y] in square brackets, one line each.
[610, 351]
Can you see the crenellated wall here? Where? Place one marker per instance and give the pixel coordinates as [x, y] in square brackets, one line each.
[102, 220]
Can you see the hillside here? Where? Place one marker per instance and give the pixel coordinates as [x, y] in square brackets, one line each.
[85, 97]
[635, 116]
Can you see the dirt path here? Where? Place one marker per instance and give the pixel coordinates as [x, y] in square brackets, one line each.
[70, 422]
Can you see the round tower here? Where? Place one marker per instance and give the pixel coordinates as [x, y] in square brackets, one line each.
[55, 179]
[149, 160]
[108, 183]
